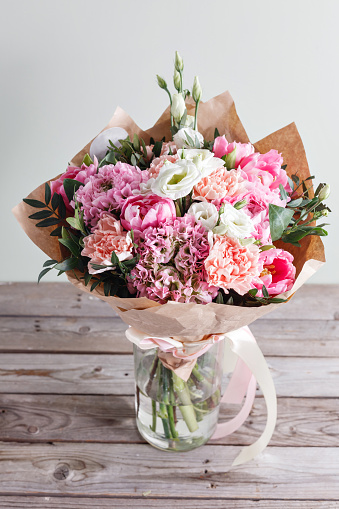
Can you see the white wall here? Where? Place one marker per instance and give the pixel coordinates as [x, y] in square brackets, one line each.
[67, 64]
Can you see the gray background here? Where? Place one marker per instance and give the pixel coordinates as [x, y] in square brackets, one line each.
[66, 65]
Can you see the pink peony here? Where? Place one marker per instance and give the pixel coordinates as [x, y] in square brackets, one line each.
[159, 162]
[231, 265]
[220, 184]
[73, 172]
[140, 212]
[267, 168]
[222, 147]
[278, 272]
[109, 236]
[108, 189]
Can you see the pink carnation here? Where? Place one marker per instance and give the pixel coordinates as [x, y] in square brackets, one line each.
[168, 147]
[278, 272]
[140, 212]
[109, 236]
[159, 162]
[220, 184]
[108, 189]
[231, 265]
[81, 174]
[222, 147]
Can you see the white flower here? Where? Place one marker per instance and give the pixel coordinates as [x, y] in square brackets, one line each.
[182, 141]
[178, 107]
[203, 158]
[145, 188]
[234, 223]
[176, 180]
[205, 212]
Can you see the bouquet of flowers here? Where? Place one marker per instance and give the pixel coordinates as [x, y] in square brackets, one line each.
[190, 232]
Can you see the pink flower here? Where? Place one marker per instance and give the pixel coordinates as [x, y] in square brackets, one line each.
[73, 172]
[222, 147]
[231, 265]
[140, 212]
[220, 184]
[109, 236]
[278, 272]
[168, 147]
[267, 168]
[159, 162]
[108, 189]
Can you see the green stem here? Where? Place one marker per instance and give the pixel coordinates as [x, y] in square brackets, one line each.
[170, 98]
[186, 409]
[164, 417]
[170, 414]
[154, 415]
[196, 115]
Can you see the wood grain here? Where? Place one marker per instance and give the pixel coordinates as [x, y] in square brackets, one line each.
[31, 502]
[114, 374]
[106, 335]
[131, 470]
[111, 419]
[313, 302]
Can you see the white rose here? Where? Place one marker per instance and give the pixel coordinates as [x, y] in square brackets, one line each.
[176, 180]
[234, 223]
[182, 141]
[205, 212]
[178, 107]
[203, 158]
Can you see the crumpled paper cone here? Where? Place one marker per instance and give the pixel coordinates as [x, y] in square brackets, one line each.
[190, 320]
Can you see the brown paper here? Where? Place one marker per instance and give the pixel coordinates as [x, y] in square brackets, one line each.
[191, 320]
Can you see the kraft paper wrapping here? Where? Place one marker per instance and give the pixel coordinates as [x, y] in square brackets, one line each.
[189, 320]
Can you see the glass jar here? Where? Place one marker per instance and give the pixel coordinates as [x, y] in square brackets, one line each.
[172, 414]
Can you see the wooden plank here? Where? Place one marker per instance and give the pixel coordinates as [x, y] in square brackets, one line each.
[113, 374]
[149, 503]
[106, 335]
[313, 302]
[111, 419]
[131, 470]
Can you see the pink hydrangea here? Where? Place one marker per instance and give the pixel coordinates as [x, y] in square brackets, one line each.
[231, 265]
[108, 236]
[171, 265]
[140, 212]
[220, 184]
[277, 273]
[222, 147]
[81, 174]
[159, 162]
[108, 189]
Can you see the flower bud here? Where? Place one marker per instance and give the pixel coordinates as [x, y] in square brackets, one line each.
[161, 82]
[178, 107]
[178, 63]
[324, 212]
[324, 193]
[197, 91]
[176, 80]
[240, 204]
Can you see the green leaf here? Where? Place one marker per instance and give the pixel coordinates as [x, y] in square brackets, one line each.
[62, 208]
[47, 193]
[219, 299]
[95, 284]
[73, 222]
[49, 262]
[216, 133]
[51, 221]
[68, 264]
[295, 203]
[56, 198]
[71, 246]
[276, 300]
[230, 159]
[87, 278]
[279, 220]
[296, 179]
[87, 160]
[266, 247]
[43, 273]
[42, 214]
[56, 232]
[133, 160]
[70, 187]
[136, 142]
[110, 158]
[265, 292]
[157, 148]
[189, 140]
[283, 194]
[107, 288]
[253, 292]
[34, 203]
[114, 259]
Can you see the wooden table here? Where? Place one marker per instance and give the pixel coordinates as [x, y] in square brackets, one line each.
[67, 421]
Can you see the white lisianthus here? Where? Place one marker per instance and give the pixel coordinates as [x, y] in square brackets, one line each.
[205, 212]
[145, 188]
[234, 223]
[178, 107]
[176, 180]
[203, 158]
[182, 141]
